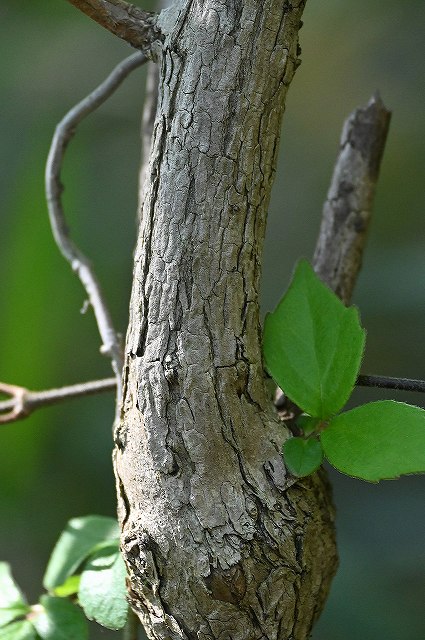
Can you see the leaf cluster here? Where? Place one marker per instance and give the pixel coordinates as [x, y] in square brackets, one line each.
[85, 575]
[313, 347]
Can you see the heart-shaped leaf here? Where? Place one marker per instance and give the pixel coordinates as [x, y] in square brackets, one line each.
[313, 345]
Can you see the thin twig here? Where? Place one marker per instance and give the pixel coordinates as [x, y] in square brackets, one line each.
[348, 207]
[80, 264]
[384, 382]
[23, 402]
[148, 117]
[125, 20]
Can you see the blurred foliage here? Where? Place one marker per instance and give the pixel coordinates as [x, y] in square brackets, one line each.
[56, 464]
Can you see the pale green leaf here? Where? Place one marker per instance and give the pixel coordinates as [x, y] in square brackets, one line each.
[9, 614]
[377, 441]
[22, 630]
[301, 456]
[59, 619]
[102, 592]
[75, 544]
[10, 594]
[313, 345]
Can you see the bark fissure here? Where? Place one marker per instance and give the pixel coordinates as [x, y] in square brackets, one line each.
[213, 526]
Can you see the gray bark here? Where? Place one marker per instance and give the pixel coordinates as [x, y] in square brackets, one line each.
[219, 541]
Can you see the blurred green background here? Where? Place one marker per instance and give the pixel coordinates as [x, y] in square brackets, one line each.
[57, 463]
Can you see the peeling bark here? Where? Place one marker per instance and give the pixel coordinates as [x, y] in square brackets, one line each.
[219, 541]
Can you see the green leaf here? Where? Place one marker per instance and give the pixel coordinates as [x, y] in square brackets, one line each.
[22, 630]
[102, 592]
[59, 619]
[313, 345]
[68, 588]
[75, 544]
[301, 456]
[10, 594]
[377, 441]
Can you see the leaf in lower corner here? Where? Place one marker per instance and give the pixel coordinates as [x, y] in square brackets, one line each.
[58, 619]
[103, 592]
[302, 457]
[313, 345]
[22, 630]
[377, 441]
[10, 594]
[12, 601]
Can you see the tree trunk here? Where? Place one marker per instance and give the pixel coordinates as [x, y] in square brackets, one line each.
[219, 541]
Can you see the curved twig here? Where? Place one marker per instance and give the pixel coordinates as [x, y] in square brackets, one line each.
[80, 264]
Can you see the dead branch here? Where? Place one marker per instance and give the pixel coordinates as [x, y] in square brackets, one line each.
[348, 207]
[125, 20]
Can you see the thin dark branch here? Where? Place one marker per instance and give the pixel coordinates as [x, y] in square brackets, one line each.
[348, 207]
[80, 264]
[131, 23]
[23, 402]
[384, 382]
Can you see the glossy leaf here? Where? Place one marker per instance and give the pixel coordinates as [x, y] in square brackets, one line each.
[301, 456]
[377, 441]
[77, 541]
[102, 592]
[22, 630]
[313, 345]
[59, 619]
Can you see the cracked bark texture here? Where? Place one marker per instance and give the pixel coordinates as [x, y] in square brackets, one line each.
[219, 540]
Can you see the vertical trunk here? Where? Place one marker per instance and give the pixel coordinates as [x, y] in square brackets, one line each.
[218, 540]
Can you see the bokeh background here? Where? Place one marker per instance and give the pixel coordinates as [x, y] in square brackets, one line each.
[57, 463]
